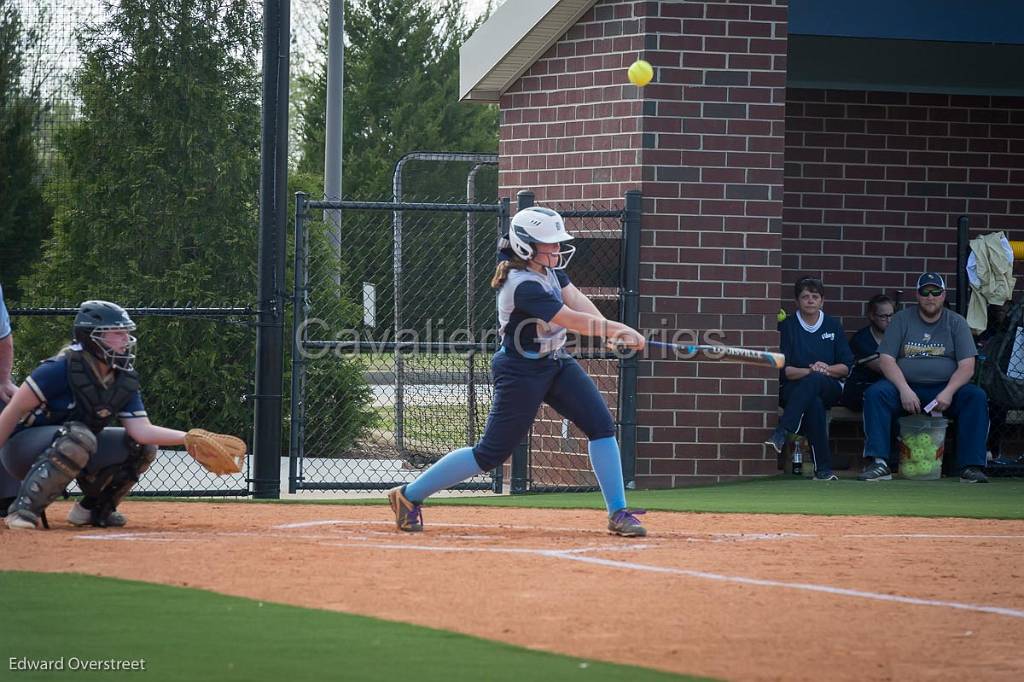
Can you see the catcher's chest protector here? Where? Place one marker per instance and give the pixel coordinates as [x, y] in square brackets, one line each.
[95, 404]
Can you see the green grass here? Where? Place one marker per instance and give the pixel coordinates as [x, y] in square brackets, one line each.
[1000, 499]
[186, 634]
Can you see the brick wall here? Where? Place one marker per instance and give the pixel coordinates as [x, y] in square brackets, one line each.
[875, 183]
[712, 234]
[704, 144]
[570, 126]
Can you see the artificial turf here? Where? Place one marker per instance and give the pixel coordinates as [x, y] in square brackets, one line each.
[188, 634]
[1002, 498]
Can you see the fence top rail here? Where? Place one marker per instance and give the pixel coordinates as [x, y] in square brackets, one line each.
[143, 312]
[437, 347]
[592, 213]
[459, 208]
[403, 206]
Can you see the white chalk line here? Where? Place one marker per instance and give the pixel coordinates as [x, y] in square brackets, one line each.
[576, 555]
[710, 537]
[811, 587]
[932, 536]
[536, 551]
[691, 536]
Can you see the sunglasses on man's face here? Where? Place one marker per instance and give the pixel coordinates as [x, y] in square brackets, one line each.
[931, 292]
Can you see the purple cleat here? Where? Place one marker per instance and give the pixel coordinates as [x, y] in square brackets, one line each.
[624, 522]
[408, 515]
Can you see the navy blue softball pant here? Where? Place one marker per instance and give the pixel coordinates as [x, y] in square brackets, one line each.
[521, 385]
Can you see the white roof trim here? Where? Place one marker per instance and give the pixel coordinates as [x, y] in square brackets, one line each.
[510, 41]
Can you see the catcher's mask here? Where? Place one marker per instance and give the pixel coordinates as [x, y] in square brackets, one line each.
[539, 225]
[96, 317]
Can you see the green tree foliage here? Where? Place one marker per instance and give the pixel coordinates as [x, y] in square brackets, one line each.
[159, 198]
[24, 216]
[401, 93]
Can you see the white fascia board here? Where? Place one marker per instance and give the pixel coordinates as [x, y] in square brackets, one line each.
[510, 41]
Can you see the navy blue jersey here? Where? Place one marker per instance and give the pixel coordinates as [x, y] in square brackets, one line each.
[49, 381]
[802, 348]
[863, 345]
[527, 302]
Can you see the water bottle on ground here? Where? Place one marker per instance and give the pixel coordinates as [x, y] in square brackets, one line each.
[798, 458]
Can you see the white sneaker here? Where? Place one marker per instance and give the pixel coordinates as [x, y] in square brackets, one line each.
[80, 516]
[20, 520]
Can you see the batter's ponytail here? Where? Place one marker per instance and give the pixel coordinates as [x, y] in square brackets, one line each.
[501, 272]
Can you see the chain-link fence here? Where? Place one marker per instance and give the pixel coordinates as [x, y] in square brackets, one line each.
[1001, 374]
[394, 331]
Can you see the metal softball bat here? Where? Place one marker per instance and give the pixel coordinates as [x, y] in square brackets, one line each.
[748, 356]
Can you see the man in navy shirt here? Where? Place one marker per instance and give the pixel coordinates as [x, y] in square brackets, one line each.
[817, 359]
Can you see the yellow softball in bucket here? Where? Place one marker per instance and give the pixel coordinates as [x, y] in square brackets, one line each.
[640, 73]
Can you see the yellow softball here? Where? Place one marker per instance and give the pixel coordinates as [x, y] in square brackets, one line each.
[640, 73]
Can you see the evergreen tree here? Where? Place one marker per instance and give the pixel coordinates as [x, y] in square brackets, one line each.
[401, 93]
[24, 216]
[159, 187]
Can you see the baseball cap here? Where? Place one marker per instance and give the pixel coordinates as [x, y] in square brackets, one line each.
[931, 279]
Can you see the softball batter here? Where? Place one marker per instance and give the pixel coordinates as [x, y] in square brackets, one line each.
[536, 305]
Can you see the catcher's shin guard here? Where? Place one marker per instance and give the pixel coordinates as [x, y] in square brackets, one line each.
[105, 489]
[57, 466]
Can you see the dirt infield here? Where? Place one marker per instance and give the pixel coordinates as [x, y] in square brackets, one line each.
[738, 597]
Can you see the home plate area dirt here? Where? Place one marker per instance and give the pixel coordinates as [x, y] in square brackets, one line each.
[731, 596]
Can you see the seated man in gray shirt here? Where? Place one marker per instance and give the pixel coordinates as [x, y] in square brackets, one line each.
[926, 356]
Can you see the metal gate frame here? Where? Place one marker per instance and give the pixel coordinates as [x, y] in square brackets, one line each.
[629, 217]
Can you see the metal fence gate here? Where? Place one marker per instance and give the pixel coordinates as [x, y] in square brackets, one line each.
[393, 334]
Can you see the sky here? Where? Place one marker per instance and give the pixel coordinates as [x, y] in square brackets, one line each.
[475, 7]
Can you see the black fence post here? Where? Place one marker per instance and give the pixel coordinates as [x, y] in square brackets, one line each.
[962, 245]
[521, 455]
[272, 251]
[630, 269]
[299, 311]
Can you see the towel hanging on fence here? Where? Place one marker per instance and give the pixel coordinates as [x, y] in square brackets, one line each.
[990, 272]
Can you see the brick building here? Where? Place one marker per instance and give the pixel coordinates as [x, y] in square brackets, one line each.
[840, 139]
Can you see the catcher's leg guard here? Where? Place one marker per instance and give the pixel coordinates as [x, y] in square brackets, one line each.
[57, 466]
[105, 489]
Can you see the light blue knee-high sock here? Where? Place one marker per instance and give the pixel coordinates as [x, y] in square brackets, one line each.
[455, 467]
[604, 457]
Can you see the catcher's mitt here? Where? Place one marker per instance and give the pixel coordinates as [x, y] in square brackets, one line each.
[217, 453]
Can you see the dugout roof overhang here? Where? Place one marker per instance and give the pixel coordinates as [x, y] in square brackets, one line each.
[948, 46]
[510, 41]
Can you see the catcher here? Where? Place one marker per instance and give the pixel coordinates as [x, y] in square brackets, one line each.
[60, 417]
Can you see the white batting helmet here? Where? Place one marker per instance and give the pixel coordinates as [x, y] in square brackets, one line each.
[539, 225]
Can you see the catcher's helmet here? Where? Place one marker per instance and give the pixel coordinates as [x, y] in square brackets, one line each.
[96, 317]
[539, 225]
